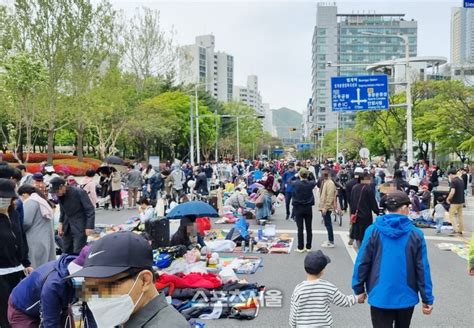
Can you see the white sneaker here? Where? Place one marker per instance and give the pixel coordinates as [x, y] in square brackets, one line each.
[327, 244]
[301, 250]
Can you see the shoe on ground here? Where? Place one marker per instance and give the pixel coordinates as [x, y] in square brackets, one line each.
[327, 244]
[438, 231]
[301, 250]
[350, 242]
[307, 250]
[287, 217]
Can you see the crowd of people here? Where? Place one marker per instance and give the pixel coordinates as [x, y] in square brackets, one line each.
[38, 284]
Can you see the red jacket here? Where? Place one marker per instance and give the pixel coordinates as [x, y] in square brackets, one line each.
[192, 280]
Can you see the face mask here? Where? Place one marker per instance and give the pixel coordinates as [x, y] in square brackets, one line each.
[113, 311]
[5, 202]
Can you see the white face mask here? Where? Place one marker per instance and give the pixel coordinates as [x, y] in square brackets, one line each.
[112, 311]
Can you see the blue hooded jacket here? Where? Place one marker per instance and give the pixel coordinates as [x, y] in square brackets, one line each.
[46, 294]
[392, 264]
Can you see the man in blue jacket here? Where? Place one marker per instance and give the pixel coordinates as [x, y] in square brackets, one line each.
[43, 299]
[286, 180]
[392, 266]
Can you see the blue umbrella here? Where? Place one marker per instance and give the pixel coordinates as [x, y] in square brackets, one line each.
[193, 209]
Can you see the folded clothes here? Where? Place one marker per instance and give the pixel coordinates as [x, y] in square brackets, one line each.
[192, 280]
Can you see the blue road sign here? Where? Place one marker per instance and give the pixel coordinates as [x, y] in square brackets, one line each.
[304, 146]
[278, 151]
[352, 93]
[468, 3]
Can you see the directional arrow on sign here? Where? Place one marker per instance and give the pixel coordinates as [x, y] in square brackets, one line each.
[358, 100]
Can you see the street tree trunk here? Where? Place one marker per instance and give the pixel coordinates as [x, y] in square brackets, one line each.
[80, 143]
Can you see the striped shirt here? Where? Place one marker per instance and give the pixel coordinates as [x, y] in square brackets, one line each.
[310, 303]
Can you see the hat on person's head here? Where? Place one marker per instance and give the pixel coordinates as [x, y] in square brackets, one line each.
[397, 199]
[38, 177]
[358, 170]
[303, 172]
[315, 262]
[116, 253]
[56, 183]
[78, 263]
[453, 171]
[7, 188]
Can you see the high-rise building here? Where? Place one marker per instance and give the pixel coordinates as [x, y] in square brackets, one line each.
[462, 36]
[213, 71]
[268, 120]
[342, 45]
[250, 95]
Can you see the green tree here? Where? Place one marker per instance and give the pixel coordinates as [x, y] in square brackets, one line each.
[40, 29]
[24, 80]
[92, 45]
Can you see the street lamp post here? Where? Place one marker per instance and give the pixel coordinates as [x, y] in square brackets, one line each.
[191, 130]
[198, 148]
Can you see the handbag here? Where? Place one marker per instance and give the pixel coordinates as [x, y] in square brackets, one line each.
[260, 200]
[354, 216]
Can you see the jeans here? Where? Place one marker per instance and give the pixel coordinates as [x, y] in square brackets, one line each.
[439, 224]
[304, 217]
[288, 203]
[328, 224]
[384, 318]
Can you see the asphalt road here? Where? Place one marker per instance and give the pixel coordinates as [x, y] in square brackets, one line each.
[453, 288]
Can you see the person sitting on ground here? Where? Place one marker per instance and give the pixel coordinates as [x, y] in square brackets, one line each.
[145, 210]
[236, 200]
[186, 234]
[439, 212]
[311, 298]
[120, 286]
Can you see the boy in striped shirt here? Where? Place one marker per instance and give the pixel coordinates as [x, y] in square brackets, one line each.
[311, 298]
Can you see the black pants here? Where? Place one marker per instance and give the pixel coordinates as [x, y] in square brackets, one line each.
[341, 195]
[115, 199]
[7, 283]
[288, 203]
[304, 217]
[386, 318]
[73, 243]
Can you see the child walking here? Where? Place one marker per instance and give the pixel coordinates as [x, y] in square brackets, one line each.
[439, 212]
[311, 298]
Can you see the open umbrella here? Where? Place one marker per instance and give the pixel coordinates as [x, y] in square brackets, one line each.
[103, 169]
[114, 160]
[192, 209]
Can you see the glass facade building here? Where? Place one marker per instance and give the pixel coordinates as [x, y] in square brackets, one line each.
[342, 46]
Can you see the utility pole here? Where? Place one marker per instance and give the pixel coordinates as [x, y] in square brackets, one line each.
[191, 130]
[409, 102]
[198, 148]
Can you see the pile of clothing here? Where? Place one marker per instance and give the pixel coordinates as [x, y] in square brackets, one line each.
[203, 296]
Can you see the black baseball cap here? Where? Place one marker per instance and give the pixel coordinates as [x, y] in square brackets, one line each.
[55, 183]
[315, 262]
[397, 199]
[116, 253]
[7, 189]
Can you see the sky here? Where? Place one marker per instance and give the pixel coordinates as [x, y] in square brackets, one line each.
[272, 39]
